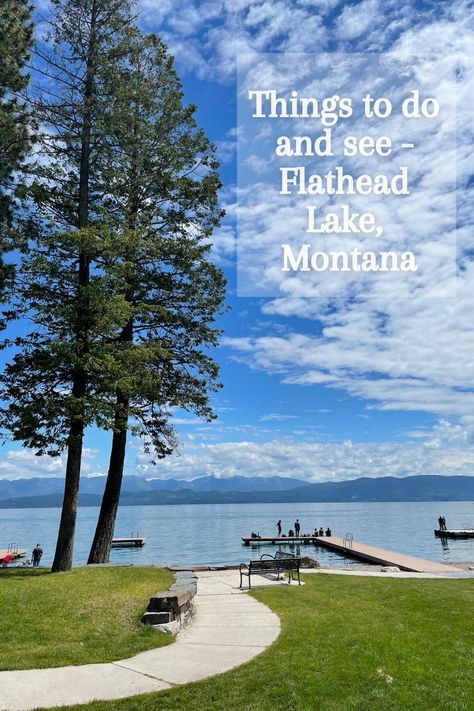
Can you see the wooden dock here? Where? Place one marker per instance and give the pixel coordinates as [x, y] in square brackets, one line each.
[276, 540]
[132, 542]
[16, 553]
[373, 554]
[361, 551]
[454, 533]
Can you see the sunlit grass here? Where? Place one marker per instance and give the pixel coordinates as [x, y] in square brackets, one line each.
[347, 644]
[86, 615]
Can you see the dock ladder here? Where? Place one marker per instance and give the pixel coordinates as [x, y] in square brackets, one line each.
[348, 540]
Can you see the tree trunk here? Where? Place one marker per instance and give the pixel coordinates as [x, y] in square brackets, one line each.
[102, 543]
[65, 543]
[104, 532]
[67, 526]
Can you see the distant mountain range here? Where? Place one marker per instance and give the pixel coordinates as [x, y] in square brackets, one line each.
[42, 486]
[40, 493]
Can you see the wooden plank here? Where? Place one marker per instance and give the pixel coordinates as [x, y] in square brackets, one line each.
[280, 539]
[361, 551]
[455, 533]
[128, 542]
[20, 553]
[374, 554]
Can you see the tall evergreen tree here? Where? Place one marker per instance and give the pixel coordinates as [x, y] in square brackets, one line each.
[163, 186]
[47, 384]
[115, 275]
[16, 31]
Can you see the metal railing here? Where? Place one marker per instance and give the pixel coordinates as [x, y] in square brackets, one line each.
[348, 540]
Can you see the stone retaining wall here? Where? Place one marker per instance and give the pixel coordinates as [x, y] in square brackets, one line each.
[172, 610]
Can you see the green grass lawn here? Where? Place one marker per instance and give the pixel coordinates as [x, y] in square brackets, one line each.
[86, 615]
[347, 644]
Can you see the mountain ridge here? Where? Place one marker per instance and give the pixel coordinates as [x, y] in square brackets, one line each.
[425, 487]
[42, 486]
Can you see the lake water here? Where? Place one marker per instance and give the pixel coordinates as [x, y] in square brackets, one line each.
[211, 533]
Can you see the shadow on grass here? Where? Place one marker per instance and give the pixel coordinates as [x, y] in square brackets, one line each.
[26, 572]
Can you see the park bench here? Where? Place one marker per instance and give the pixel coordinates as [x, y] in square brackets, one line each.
[277, 564]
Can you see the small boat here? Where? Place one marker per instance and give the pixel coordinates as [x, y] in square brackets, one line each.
[454, 533]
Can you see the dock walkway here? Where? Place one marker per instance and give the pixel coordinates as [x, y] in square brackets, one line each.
[248, 540]
[454, 532]
[17, 553]
[373, 554]
[130, 542]
[361, 551]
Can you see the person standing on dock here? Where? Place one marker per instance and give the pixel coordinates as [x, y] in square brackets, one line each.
[37, 555]
[297, 527]
[279, 528]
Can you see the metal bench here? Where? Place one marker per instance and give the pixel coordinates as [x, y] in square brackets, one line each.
[277, 564]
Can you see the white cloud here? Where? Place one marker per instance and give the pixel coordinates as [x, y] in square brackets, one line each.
[439, 454]
[207, 35]
[276, 417]
[24, 464]
[401, 355]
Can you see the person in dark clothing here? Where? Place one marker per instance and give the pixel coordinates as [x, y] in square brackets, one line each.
[321, 531]
[443, 523]
[291, 533]
[328, 531]
[297, 527]
[279, 527]
[37, 555]
[440, 523]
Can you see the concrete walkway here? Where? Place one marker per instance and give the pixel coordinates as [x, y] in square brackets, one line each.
[229, 629]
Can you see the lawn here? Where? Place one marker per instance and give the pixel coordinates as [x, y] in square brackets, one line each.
[86, 615]
[347, 644]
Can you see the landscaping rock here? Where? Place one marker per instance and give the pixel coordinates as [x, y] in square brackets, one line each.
[173, 609]
[390, 569]
[308, 562]
[170, 601]
[156, 618]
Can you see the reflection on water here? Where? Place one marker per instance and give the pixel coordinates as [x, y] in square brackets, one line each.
[211, 533]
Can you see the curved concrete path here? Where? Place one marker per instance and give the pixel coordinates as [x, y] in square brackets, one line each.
[229, 629]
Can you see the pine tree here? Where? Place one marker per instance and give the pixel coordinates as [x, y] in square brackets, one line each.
[163, 195]
[16, 33]
[47, 385]
[115, 273]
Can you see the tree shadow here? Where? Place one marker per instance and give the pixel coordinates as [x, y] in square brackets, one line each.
[24, 573]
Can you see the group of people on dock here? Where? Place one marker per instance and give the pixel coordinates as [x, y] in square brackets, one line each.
[295, 531]
[442, 523]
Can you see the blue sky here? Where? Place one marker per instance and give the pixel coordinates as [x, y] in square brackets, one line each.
[320, 389]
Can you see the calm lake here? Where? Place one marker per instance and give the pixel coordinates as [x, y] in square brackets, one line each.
[211, 533]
